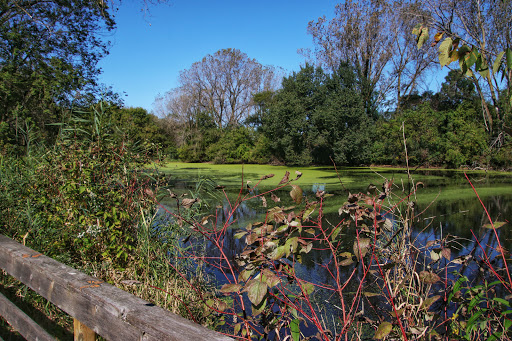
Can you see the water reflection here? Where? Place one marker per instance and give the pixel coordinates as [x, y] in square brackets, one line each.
[458, 223]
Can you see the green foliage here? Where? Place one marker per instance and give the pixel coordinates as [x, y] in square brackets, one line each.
[234, 146]
[80, 200]
[481, 313]
[316, 116]
[48, 57]
[452, 138]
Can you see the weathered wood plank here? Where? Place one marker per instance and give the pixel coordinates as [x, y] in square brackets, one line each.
[22, 322]
[109, 311]
[82, 333]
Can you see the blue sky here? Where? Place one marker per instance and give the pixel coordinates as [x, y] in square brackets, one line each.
[148, 51]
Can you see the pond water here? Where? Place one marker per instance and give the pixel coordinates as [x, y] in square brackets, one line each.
[445, 208]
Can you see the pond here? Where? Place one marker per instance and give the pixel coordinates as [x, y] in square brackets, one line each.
[445, 214]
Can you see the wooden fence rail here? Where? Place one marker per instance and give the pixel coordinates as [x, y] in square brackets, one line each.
[104, 309]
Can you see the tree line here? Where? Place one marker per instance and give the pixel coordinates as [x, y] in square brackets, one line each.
[362, 90]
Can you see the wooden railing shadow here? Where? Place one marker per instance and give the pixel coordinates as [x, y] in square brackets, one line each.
[98, 308]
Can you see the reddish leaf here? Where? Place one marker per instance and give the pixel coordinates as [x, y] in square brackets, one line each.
[226, 288]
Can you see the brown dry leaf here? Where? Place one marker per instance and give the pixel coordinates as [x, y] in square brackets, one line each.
[363, 246]
[274, 197]
[446, 253]
[430, 243]
[264, 200]
[187, 203]
[429, 277]
[429, 301]
[285, 178]
[296, 194]
[268, 176]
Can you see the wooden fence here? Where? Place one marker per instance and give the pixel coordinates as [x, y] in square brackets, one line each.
[97, 307]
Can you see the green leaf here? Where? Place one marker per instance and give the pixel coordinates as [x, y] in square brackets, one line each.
[296, 194]
[278, 252]
[417, 29]
[472, 320]
[483, 68]
[307, 213]
[294, 328]
[472, 57]
[256, 290]
[497, 224]
[423, 37]
[508, 52]
[383, 330]
[308, 288]
[291, 245]
[335, 233]
[502, 301]
[444, 51]
[240, 234]
[497, 62]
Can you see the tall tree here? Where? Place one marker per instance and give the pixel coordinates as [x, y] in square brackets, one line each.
[370, 34]
[222, 85]
[48, 53]
[316, 116]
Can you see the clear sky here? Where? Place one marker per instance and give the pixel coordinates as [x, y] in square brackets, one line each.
[148, 51]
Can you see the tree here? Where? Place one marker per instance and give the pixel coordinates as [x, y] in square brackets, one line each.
[48, 55]
[370, 35]
[477, 35]
[222, 85]
[316, 116]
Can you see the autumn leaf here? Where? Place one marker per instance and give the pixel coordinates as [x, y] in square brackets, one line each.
[187, 203]
[227, 288]
[429, 277]
[363, 245]
[429, 301]
[268, 176]
[299, 174]
[256, 290]
[296, 194]
[446, 253]
[274, 197]
[285, 178]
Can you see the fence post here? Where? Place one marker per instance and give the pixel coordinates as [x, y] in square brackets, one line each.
[82, 332]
